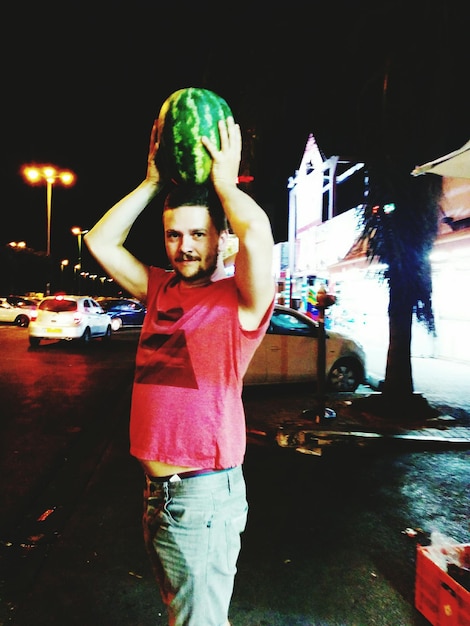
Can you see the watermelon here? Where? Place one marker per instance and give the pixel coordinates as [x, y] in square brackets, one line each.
[186, 116]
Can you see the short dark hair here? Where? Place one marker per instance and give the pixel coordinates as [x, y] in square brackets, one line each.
[198, 195]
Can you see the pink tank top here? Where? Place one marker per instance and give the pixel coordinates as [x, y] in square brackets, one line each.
[192, 356]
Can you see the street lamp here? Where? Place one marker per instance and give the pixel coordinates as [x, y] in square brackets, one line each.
[93, 278]
[76, 274]
[63, 264]
[50, 175]
[78, 232]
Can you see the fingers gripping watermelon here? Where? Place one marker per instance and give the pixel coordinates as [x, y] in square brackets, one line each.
[186, 116]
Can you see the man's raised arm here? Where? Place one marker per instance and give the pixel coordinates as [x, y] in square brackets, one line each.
[107, 238]
[249, 222]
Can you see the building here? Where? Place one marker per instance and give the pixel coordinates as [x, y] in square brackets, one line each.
[322, 250]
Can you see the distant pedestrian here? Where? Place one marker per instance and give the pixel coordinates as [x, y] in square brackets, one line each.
[201, 330]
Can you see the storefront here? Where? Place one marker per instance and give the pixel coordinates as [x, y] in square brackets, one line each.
[362, 296]
[323, 253]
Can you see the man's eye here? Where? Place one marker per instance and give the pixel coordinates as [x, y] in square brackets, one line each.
[198, 235]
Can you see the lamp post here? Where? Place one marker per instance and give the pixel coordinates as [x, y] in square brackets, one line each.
[93, 278]
[63, 264]
[78, 232]
[76, 274]
[50, 175]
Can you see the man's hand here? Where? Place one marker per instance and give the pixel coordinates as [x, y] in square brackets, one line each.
[226, 161]
[153, 175]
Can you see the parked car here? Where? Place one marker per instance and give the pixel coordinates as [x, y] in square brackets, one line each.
[123, 311]
[288, 354]
[17, 310]
[69, 317]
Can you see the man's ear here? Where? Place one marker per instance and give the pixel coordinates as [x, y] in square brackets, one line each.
[228, 249]
[223, 238]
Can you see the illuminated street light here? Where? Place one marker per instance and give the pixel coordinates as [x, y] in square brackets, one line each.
[78, 232]
[63, 264]
[76, 273]
[50, 175]
[93, 278]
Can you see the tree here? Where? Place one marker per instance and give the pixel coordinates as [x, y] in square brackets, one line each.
[399, 227]
[400, 216]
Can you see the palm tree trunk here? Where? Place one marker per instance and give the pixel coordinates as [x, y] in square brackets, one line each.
[398, 383]
[398, 402]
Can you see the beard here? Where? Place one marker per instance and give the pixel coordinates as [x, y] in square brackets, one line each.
[201, 273]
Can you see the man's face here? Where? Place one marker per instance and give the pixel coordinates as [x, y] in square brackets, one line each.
[192, 243]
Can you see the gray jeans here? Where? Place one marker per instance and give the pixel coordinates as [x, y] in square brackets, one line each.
[192, 531]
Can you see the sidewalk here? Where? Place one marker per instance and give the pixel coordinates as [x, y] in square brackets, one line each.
[353, 426]
[439, 384]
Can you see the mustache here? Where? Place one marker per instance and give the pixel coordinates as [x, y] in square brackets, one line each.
[186, 257]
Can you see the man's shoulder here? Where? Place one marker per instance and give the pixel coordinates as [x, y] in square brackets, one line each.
[226, 284]
[159, 273]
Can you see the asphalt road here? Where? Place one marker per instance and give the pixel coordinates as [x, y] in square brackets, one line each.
[326, 542]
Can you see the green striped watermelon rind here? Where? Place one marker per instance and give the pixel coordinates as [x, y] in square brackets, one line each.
[187, 115]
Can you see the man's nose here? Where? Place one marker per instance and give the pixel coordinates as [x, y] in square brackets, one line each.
[186, 243]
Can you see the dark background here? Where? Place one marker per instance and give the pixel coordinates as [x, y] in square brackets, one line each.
[83, 81]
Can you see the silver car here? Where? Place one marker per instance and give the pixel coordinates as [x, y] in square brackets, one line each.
[17, 310]
[69, 317]
[289, 353]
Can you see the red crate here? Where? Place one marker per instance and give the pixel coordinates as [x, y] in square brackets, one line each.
[440, 598]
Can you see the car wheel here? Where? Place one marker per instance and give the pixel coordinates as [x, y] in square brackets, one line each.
[22, 321]
[34, 342]
[86, 337]
[107, 335]
[344, 376]
[116, 323]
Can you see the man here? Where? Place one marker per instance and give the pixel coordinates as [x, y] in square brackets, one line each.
[201, 330]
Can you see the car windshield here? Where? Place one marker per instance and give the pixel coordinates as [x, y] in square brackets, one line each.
[58, 306]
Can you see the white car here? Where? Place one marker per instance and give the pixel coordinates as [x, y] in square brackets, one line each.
[69, 317]
[289, 353]
[17, 310]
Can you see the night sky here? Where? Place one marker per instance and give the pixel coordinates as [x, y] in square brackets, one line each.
[83, 81]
